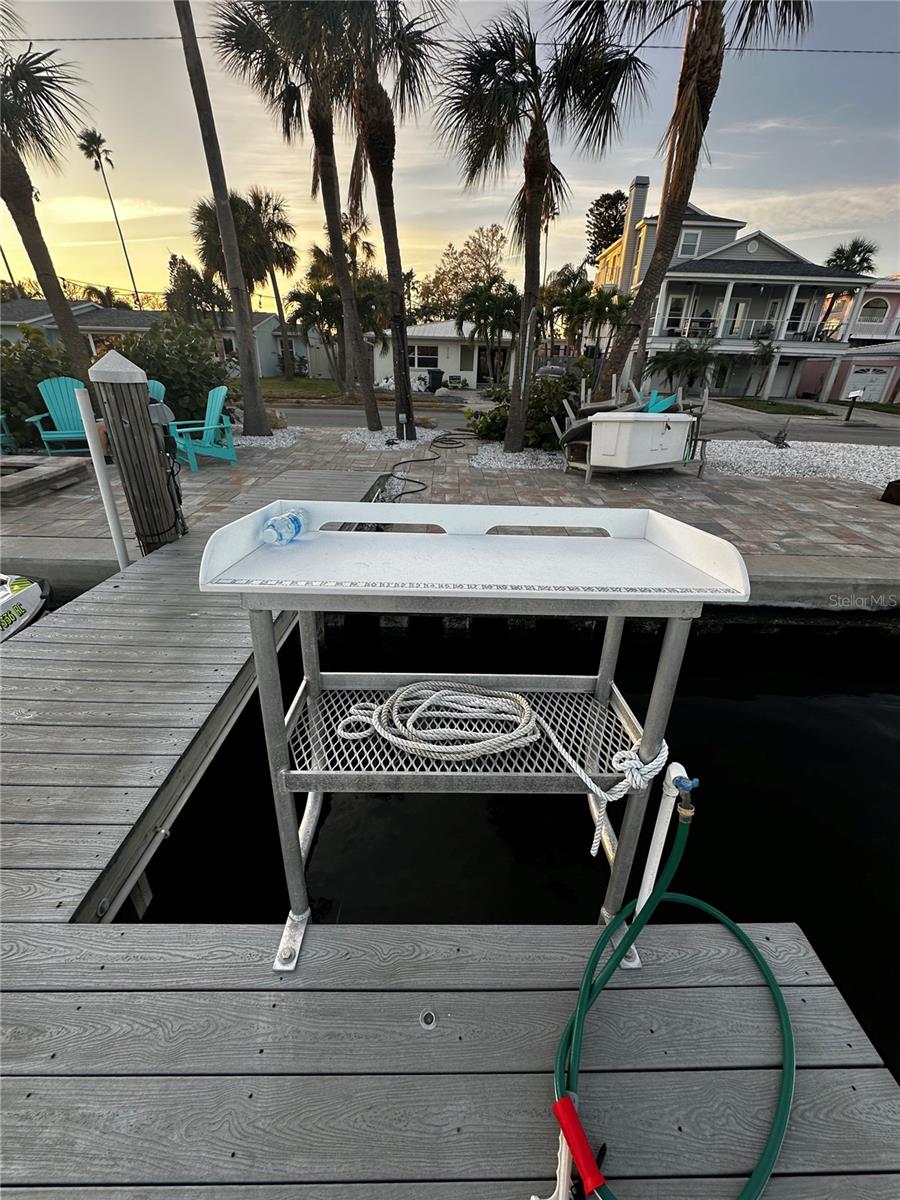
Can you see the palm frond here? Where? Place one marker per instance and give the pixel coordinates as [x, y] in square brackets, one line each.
[592, 89]
[39, 105]
[489, 95]
[769, 21]
[356, 188]
[248, 43]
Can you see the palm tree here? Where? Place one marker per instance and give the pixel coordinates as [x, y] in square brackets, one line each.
[104, 296]
[39, 111]
[493, 308]
[383, 38]
[92, 145]
[278, 232]
[295, 56]
[359, 252]
[858, 256]
[262, 227]
[710, 25]
[256, 421]
[501, 99]
[318, 307]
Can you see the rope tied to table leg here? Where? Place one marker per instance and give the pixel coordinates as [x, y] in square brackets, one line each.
[456, 722]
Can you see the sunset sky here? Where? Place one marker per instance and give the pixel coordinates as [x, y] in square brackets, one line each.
[804, 146]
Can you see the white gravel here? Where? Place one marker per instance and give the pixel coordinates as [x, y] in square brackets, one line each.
[377, 440]
[876, 465]
[490, 456]
[280, 439]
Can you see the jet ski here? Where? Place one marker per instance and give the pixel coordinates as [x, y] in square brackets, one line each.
[21, 601]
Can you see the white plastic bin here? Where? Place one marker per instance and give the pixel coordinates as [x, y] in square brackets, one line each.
[630, 440]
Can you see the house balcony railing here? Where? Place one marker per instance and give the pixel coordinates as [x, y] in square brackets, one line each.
[755, 329]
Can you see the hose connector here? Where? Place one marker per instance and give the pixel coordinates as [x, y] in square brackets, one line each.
[685, 804]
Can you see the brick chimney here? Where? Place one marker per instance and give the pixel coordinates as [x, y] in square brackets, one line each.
[637, 205]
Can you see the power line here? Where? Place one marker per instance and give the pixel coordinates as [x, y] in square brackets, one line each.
[172, 37]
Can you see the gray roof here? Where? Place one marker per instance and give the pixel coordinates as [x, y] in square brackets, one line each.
[790, 268]
[694, 213]
[14, 312]
[92, 317]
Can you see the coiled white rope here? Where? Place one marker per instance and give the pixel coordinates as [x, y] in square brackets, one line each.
[465, 707]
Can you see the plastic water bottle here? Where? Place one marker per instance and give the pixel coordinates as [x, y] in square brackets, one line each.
[279, 531]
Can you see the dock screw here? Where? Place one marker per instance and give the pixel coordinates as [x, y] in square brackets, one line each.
[286, 954]
[103, 907]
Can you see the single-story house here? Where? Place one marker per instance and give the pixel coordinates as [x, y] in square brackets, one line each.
[104, 328]
[439, 344]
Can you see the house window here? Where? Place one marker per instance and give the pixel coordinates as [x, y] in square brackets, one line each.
[467, 357]
[228, 345]
[690, 243]
[873, 312]
[423, 356]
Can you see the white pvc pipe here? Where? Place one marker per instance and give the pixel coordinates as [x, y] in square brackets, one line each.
[661, 828]
[109, 504]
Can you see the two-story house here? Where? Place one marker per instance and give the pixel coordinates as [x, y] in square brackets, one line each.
[739, 290]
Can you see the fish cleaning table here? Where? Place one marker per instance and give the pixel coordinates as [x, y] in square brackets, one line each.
[614, 563]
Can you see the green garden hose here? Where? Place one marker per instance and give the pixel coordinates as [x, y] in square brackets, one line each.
[568, 1056]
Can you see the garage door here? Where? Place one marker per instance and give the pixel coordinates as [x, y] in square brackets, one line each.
[870, 380]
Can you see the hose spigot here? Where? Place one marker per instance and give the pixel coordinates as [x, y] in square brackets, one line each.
[685, 804]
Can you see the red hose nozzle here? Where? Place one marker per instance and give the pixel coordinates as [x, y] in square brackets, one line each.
[573, 1131]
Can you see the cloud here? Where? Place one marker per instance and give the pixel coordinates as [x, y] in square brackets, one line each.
[95, 210]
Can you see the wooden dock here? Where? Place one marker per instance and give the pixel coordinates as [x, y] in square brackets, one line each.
[168, 1062]
[113, 707]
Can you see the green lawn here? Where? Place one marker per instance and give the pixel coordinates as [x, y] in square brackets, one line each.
[770, 406]
[296, 389]
[893, 409]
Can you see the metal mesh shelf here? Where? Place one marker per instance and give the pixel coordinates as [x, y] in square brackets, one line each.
[591, 732]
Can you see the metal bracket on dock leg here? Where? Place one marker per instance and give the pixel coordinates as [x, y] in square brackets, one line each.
[632, 959]
[291, 940]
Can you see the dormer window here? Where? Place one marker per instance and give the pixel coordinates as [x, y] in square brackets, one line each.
[690, 243]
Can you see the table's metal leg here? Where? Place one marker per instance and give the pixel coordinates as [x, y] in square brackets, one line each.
[667, 670]
[265, 653]
[609, 656]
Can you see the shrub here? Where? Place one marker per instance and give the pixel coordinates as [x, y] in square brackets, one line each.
[23, 365]
[545, 401]
[184, 358]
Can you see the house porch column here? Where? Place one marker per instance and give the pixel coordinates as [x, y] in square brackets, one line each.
[720, 328]
[786, 315]
[853, 313]
[661, 307]
[828, 381]
[794, 381]
[770, 376]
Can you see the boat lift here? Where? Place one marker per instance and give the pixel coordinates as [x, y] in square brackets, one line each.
[615, 563]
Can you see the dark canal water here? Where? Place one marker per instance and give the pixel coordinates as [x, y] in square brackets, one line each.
[793, 730]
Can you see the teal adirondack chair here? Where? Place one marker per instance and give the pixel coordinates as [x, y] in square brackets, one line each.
[8, 443]
[157, 390]
[210, 437]
[660, 404]
[62, 409]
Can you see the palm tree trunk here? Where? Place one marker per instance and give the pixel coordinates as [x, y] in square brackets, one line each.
[321, 124]
[342, 361]
[256, 420]
[375, 121]
[537, 159]
[137, 298]
[17, 192]
[287, 350]
[701, 70]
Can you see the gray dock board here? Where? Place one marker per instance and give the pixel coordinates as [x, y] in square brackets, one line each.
[69, 805]
[203, 1129]
[31, 894]
[101, 712]
[96, 739]
[388, 957]
[809, 1187]
[127, 770]
[59, 847]
[336, 1033]
[77, 691]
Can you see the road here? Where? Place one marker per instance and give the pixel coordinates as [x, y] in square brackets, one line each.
[720, 421]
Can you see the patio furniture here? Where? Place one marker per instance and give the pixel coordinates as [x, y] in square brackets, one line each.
[8, 443]
[157, 390]
[210, 437]
[62, 409]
